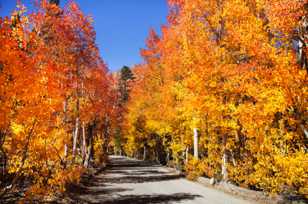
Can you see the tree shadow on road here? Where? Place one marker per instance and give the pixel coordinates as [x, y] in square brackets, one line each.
[135, 172]
[99, 188]
[139, 199]
[155, 198]
[140, 179]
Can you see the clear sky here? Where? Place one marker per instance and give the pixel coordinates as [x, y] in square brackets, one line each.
[121, 25]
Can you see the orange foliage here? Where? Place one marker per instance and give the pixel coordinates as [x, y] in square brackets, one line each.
[227, 68]
[53, 82]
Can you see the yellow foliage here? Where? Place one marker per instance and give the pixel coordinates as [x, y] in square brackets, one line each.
[17, 128]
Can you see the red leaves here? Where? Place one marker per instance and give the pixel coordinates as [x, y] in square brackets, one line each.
[51, 74]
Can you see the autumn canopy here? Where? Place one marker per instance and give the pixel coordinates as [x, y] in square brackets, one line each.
[233, 71]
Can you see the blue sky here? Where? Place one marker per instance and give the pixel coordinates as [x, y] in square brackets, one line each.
[121, 25]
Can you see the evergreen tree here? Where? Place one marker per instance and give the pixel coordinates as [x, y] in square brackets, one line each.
[126, 76]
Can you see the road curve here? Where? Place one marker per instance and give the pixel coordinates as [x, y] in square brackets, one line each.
[129, 181]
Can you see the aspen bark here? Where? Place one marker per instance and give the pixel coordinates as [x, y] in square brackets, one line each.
[88, 154]
[233, 159]
[224, 171]
[84, 145]
[186, 155]
[65, 150]
[304, 131]
[65, 121]
[144, 152]
[168, 157]
[196, 153]
[75, 137]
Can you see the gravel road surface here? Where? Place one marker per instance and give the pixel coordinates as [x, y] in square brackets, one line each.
[129, 181]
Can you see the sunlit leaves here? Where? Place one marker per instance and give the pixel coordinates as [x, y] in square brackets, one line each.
[51, 73]
[228, 69]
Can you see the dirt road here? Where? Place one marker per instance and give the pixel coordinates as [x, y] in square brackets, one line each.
[128, 181]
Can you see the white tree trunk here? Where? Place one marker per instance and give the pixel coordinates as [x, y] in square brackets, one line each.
[233, 160]
[65, 150]
[144, 152]
[84, 145]
[168, 157]
[87, 158]
[224, 171]
[196, 154]
[75, 137]
[88, 154]
[304, 131]
[186, 155]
